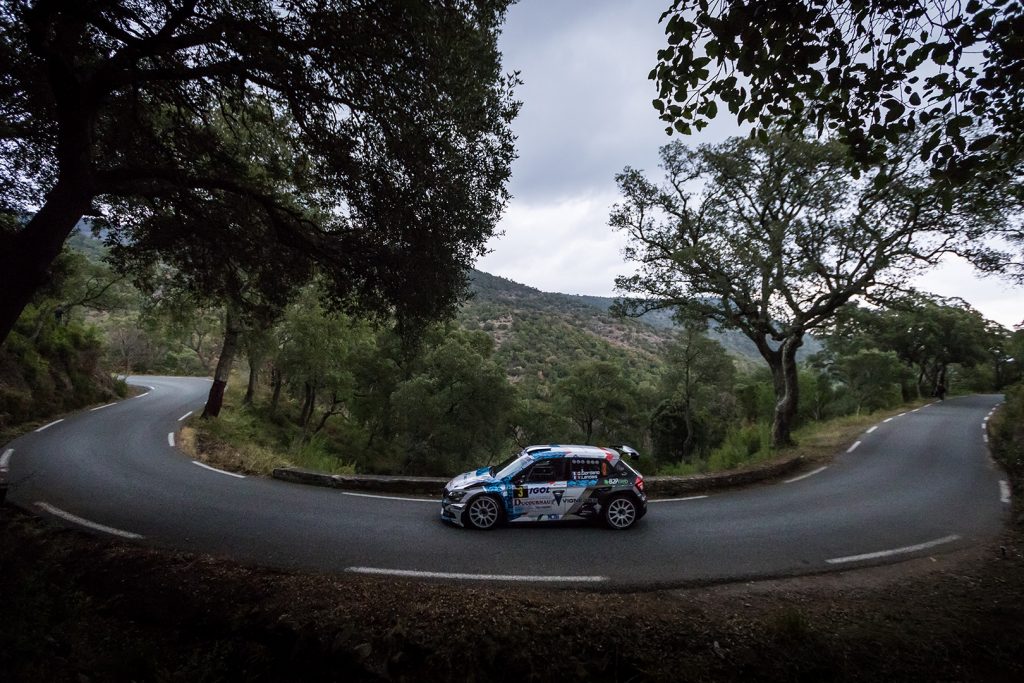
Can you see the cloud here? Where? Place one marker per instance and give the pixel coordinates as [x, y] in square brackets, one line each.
[994, 297]
[561, 245]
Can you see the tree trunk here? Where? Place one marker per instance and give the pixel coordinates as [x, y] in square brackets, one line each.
[688, 441]
[227, 359]
[276, 380]
[26, 255]
[250, 390]
[785, 381]
[308, 404]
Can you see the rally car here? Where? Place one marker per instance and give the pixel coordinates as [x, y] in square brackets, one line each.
[543, 483]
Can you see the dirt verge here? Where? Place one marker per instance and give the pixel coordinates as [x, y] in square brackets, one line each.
[83, 608]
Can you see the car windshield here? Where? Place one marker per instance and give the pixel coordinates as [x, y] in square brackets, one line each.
[510, 465]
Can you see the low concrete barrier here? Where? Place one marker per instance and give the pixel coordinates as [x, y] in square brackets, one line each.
[657, 487]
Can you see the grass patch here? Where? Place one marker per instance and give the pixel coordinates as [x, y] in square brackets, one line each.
[751, 444]
[247, 440]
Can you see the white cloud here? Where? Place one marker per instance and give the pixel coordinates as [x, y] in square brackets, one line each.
[562, 245]
[994, 297]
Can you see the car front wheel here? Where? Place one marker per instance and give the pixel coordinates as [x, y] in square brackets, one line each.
[620, 512]
[483, 512]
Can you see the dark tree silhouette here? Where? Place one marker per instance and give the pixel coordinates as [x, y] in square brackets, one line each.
[867, 71]
[387, 172]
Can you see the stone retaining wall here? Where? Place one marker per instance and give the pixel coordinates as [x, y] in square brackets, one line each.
[657, 487]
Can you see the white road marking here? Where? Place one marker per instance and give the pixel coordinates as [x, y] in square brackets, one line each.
[1004, 491]
[170, 439]
[184, 416]
[75, 519]
[888, 419]
[894, 551]
[984, 437]
[477, 577]
[5, 459]
[915, 410]
[102, 407]
[414, 500]
[141, 395]
[214, 469]
[852, 448]
[50, 425]
[901, 414]
[676, 500]
[871, 429]
[804, 476]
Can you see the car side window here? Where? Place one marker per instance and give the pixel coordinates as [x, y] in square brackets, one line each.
[587, 469]
[547, 470]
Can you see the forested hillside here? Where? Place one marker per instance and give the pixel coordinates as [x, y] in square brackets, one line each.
[538, 335]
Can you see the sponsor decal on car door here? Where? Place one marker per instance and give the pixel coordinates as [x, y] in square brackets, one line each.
[540, 493]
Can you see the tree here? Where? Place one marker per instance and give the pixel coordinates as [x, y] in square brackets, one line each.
[777, 240]
[699, 383]
[872, 378]
[867, 71]
[394, 117]
[315, 359]
[597, 397]
[455, 408]
[927, 333]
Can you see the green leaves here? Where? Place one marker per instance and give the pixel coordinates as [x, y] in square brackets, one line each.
[885, 70]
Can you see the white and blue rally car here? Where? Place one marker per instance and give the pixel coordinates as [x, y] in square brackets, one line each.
[553, 482]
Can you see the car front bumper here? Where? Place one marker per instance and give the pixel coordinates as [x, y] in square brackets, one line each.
[452, 512]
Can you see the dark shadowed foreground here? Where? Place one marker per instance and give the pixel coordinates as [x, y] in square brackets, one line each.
[80, 608]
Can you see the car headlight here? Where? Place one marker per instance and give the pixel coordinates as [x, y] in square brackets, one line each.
[456, 496]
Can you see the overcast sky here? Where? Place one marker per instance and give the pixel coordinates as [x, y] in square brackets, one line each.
[587, 114]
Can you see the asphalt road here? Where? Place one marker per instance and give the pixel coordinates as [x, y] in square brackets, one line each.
[918, 484]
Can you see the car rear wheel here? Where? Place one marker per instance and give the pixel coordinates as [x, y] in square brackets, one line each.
[620, 513]
[483, 512]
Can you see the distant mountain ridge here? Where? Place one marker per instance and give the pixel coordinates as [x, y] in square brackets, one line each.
[642, 334]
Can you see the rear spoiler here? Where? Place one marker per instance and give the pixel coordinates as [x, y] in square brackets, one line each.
[626, 450]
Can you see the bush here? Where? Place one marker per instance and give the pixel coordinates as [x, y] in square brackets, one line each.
[1007, 433]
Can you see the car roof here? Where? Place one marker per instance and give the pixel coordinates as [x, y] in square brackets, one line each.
[573, 451]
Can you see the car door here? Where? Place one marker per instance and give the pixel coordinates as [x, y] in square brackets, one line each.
[538, 491]
[584, 477]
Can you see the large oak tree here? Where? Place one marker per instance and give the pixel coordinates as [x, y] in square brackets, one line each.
[394, 117]
[771, 238]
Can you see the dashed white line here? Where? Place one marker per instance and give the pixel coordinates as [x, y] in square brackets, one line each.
[901, 414]
[75, 519]
[50, 425]
[170, 439]
[214, 469]
[370, 495]
[102, 407]
[888, 419]
[804, 476]
[894, 551]
[915, 410]
[142, 395]
[852, 448]
[477, 577]
[1004, 491]
[676, 500]
[871, 429]
[183, 417]
[984, 437]
[5, 459]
